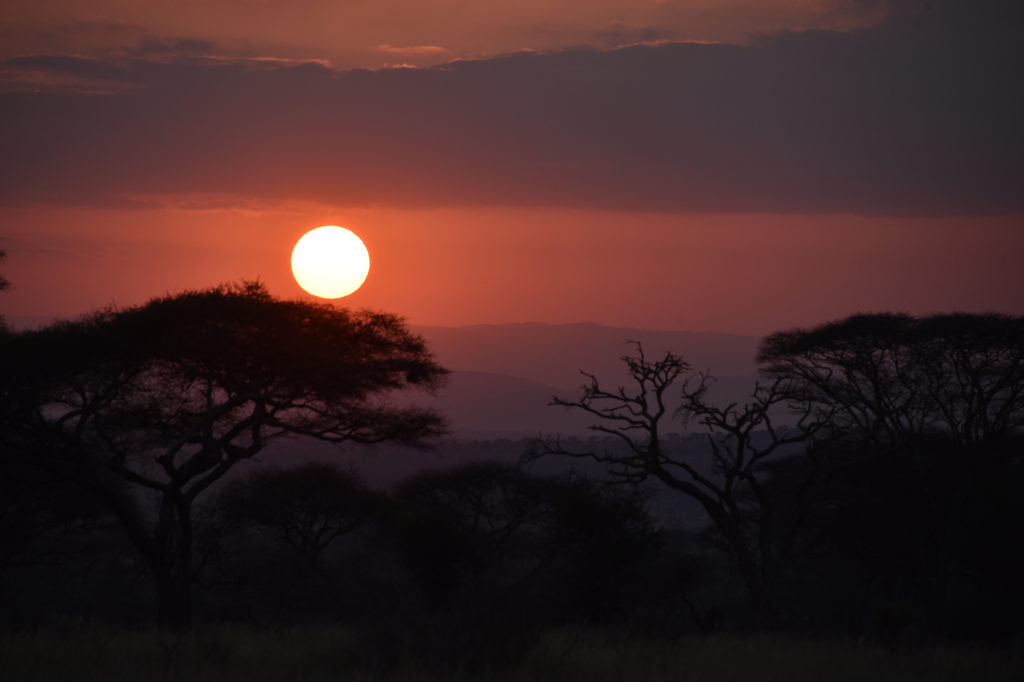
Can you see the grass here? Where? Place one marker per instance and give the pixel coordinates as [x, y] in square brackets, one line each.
[223, 654]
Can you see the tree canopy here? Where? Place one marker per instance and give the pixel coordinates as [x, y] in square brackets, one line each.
[888, 379]
[4, 285]
[169, 396]
[307, 507]
[488, 528]
[4, 282]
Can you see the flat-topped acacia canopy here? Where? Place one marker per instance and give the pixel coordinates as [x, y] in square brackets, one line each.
[170, 395]
[891, 378]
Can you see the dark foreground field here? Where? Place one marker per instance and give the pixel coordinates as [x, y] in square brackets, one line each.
[233, 653]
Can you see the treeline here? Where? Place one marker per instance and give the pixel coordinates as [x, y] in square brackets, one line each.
[479, 557]
[482, 553]
[869, 486]
[871, 482]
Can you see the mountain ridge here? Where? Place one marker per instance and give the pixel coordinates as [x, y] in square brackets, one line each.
[505, 375]
[555, 354]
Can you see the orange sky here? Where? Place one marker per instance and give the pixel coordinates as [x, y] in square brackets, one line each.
[769, 181]
[738, 273]
[375, 33]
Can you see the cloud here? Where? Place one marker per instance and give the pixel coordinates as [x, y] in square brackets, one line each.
[62, 74]
[348, 33]
[618, 33]
[160, 66]
[99, 40]
[917, 116]
[177, 47]
[412, 56]
[417, 50]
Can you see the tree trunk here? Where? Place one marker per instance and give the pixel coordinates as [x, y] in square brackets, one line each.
[174, 593]
[169, 560]
[172, 563]
[760, 588]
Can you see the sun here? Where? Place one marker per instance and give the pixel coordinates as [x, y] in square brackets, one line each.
[330, 262]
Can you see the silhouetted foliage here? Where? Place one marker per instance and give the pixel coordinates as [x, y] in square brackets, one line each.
[307, 507]
[902, 525]
[169, 396]
[4, 282]
[987, 552]
[925, 416]
[493, 530]
[4, 285]
[462, 522]
[742, 439]
[888, 379]
[921, 531]
[45, 526]
[501, 553]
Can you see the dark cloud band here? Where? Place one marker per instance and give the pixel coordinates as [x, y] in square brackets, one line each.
[920, 115]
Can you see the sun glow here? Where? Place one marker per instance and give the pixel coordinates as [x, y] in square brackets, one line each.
[330, 262]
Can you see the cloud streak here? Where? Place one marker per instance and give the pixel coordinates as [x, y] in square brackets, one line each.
[920, 115]
[347, 33]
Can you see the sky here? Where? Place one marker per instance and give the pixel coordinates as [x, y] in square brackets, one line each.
[733, 166]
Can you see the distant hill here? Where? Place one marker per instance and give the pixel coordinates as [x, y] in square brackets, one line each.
[491, 405]
[554, 354]
[505, 375]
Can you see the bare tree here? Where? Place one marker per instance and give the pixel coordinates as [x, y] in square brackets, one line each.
[741, 439]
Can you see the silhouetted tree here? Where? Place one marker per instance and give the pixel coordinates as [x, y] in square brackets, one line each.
[490, 527]
[37, 515]
[888, 379]
[925, 419]
[741, 438]
[500, 553]
[156, 403]
[987, 550]
[307, 507]
[4, 285]
[461, 523]
[603, 542]
[919, 528]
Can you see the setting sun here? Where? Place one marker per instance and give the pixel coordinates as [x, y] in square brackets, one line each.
[330, 262]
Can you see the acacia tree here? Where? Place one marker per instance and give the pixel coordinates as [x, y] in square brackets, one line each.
[888, 380]
[759, 529]
[307, 508]
[927, 416]
[459, 523]
[493, 528]
[148, 407]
